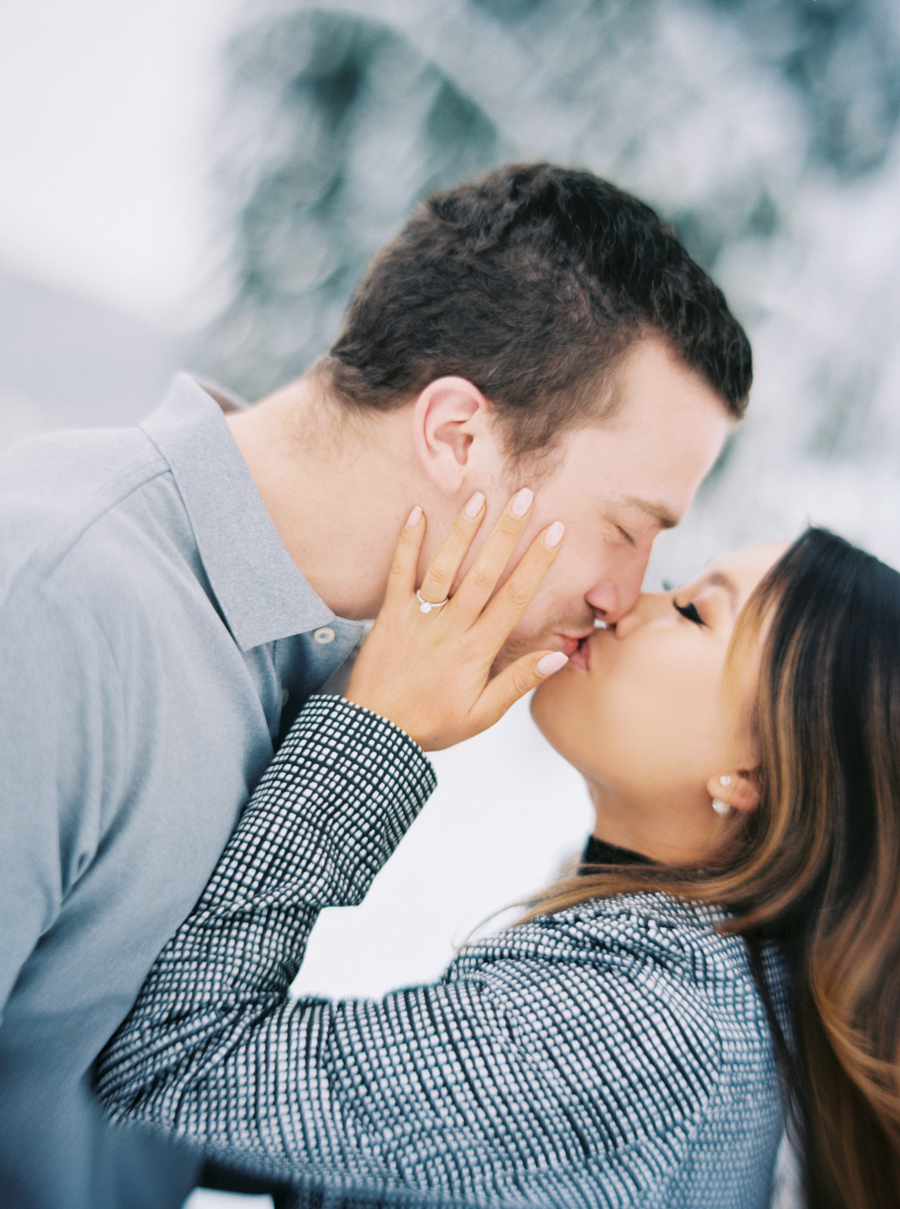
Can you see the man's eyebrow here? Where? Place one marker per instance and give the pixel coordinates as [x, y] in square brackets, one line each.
[660, 513]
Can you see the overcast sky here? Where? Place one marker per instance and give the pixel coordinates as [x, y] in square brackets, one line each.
[105, 109]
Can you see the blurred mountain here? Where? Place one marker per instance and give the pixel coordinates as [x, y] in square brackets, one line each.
[66, 361]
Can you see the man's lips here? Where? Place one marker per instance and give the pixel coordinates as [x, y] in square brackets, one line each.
[569, 645]
[576, 649]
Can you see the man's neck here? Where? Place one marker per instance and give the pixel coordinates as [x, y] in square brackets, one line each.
[338, 488]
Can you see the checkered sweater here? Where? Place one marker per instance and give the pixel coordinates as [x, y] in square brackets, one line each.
[615, 1054]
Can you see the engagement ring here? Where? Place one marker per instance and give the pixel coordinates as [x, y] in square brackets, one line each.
[425, 606]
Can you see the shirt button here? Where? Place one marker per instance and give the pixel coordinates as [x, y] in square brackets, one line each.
[324, 634]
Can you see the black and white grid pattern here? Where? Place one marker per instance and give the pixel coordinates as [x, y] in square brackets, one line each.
[616, 1054]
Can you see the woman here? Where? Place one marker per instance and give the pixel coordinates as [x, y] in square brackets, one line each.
[739, 911]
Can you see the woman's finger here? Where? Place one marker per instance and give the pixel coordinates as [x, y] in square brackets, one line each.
[402, 578]
[440, 576]
[508, 605]
[481, 580]
[511, 684]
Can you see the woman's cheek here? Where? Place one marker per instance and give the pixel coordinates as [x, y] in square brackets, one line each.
[565, 712]
[603, 728]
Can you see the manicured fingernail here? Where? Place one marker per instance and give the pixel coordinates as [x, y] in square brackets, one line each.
[548, 664]
[522, 501]
[414, 517]
[475, 504]
[553, 536]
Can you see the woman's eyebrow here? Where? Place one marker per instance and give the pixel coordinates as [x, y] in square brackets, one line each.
[719, 579]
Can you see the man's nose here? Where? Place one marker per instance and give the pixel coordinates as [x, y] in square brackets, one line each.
[616, 593]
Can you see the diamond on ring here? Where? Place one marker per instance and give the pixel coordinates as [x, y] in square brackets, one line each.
[425, 606]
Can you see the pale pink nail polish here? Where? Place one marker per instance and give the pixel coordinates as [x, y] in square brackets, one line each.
[414, 517]
[553, 536]
[548, 664]
[522, 501]
[475, 504]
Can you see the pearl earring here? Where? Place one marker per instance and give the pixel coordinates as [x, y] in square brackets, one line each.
[718, 805]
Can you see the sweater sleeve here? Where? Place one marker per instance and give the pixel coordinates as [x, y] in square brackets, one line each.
[483, 1086]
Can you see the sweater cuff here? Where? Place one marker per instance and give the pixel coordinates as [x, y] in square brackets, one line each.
[341, 792]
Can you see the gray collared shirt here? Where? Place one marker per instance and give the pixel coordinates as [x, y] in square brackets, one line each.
[152, 627]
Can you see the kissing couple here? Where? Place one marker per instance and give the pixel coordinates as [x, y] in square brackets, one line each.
[531, 383]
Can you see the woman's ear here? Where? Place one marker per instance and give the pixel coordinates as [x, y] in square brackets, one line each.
[739, 789]
[452, 428]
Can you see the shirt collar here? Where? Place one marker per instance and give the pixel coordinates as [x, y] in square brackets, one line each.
[599, 852]
[259, 587]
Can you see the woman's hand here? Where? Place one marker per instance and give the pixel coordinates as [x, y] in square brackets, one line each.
[428, 671]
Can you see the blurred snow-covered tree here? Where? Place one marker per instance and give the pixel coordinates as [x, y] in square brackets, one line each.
[335, 125]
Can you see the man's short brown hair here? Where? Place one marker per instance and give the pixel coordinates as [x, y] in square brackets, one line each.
[531, 284]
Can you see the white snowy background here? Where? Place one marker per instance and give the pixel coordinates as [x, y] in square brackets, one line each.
[200, 183]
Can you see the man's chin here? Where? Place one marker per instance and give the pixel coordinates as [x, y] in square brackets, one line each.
[515, 648]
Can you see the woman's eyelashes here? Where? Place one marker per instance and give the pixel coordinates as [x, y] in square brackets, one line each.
[689, 611]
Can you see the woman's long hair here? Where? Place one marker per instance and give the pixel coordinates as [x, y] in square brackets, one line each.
[818, 866]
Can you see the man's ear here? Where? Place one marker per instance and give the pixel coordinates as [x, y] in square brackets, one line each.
[738, 789]
[452, 425]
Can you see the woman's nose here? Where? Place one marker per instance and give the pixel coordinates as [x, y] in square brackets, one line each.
[647, 607]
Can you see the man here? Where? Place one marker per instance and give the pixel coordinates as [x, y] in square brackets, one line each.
[170, 595]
